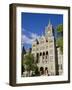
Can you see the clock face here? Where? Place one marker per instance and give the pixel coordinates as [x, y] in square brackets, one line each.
[49, 32]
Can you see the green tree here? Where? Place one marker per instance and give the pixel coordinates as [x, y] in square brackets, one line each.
[60, 28]
[23, 53]
[60, 36]
[60, 43]
[29, 62]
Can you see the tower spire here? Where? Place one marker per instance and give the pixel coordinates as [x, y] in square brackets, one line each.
[49, 22]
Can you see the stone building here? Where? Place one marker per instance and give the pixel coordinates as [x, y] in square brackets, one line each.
[47, 55]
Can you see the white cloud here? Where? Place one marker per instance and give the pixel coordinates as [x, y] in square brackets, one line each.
[33, 35]
[26, 40]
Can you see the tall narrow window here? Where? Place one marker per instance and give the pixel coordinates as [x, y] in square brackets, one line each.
[43, 53]
[46, 52]
[37, 56]
[46, 56]
[40, 54]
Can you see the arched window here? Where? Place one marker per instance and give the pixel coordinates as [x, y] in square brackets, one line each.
[37, 42]
[41, 70]
[46, 52]
[37, 56]
[43, 53]
[46, 68]
[47, 56]
[46, 40]
[40, 53]
[46, 71]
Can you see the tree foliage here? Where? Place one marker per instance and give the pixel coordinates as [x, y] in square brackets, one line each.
[23, 53]
[60, 36]
[29, 62]
[60, 28]
[60, 43]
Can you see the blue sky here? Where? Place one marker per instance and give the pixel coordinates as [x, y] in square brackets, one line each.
[33, 26]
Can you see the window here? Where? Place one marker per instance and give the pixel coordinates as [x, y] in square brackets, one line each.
[37, 60]
[37, 42]
[46, 60]
[43, 53]
[43, 59]
[37, 54]
[46, 40]
[46, 52]
[40, 54]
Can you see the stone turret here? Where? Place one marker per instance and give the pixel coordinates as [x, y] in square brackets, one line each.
[49, 30]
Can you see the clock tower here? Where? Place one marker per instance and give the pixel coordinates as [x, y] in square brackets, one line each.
[49, 30]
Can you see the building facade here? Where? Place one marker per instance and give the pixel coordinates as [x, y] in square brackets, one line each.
[47, 55]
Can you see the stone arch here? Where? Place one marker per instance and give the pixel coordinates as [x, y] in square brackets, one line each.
[40, 53]
[43, 57]
[43, 53]
[47, 56]
[46, 52]
[41, 70]
[46, 70]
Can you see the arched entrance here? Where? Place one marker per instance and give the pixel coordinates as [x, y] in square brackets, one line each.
[41, 70]
[46, 71]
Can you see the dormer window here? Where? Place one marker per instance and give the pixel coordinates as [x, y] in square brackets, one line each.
[37, 42]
